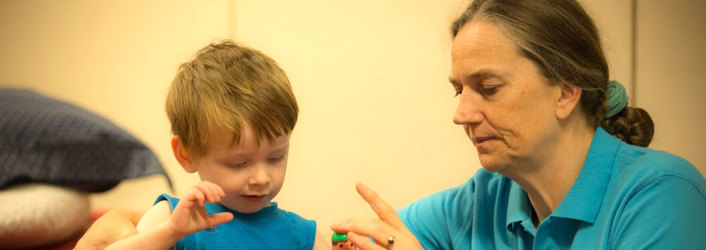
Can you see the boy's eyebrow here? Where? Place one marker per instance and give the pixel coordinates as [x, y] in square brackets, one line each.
[281, 147]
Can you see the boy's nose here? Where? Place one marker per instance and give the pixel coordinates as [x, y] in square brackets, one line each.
[260, 176]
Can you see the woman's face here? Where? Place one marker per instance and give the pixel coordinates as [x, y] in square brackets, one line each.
[506, 106]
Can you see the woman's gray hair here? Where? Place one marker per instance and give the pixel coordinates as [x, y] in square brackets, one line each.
[562, 39]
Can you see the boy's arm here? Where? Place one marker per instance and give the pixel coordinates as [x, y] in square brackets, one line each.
[112, 226]
[153, 231]
[160, 228]
[320, 243]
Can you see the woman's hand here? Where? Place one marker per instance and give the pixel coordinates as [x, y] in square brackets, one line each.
[388, 231]
[189, 216]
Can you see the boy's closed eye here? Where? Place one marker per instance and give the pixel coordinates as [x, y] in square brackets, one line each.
[275, 159]
[239, 164]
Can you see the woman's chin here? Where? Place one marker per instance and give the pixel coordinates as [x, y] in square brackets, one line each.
[490, 164]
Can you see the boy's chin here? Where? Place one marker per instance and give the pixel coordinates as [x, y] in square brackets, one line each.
[248, 208]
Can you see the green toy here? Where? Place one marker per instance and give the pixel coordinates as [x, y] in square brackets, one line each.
[340, 241]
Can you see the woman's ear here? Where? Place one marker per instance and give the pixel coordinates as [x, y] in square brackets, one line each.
[569, 98]
[182, 155]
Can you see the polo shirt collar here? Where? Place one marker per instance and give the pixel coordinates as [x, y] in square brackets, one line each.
[584, 199]
[518, 207]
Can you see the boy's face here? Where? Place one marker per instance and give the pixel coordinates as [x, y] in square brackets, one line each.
[250, 173]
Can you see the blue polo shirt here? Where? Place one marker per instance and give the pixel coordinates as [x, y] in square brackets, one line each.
[625, 197]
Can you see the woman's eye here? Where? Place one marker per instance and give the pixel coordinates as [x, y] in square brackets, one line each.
[489, 90]
[458, 90]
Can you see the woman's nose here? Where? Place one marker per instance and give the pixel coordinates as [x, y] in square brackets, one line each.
[468, 110]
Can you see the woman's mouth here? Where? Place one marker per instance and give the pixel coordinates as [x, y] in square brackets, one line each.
[479, 140]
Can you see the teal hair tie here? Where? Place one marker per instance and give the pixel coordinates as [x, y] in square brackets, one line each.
[616, 98]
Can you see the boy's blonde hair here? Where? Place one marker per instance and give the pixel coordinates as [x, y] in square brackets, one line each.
[226, 86]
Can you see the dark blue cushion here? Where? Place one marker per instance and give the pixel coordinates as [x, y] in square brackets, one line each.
[46, 140]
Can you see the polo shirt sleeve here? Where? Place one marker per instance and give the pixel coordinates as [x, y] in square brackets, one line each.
[668, 212]
[435, 219]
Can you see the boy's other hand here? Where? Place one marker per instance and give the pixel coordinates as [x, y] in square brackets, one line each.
[189, 216]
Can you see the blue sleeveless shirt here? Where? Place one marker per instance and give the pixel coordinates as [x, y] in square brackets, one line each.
[269, 228]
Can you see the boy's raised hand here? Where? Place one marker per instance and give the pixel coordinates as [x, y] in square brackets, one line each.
[189, 216]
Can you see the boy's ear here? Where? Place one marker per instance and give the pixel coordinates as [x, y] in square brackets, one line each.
[568, 99]
[182, 155]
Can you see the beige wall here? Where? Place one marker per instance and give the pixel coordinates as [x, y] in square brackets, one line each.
[613, 18]
[671, 73]
[369, 75]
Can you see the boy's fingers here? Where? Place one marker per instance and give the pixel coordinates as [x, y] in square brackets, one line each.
[217, 191]
[213, 192]
[205, 190]
[219, 218]
[199, 197]
[221, 192]
[384, 211]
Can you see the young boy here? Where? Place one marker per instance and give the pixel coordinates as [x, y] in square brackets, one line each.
[232, 111]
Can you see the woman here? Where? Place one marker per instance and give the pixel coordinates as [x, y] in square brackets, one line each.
[536, 101]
